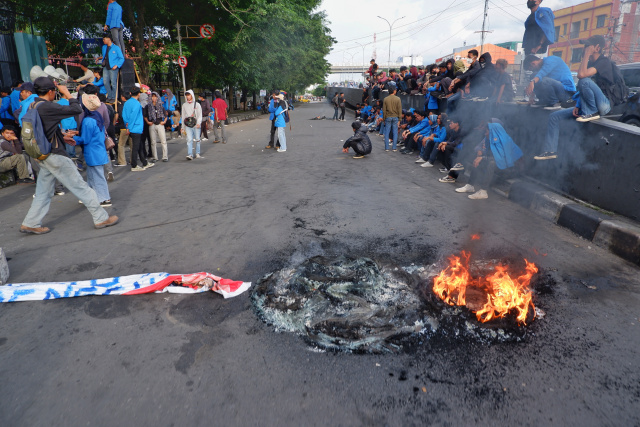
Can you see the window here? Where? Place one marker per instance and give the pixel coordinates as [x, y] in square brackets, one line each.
[557, 33]
[557, 53]
[564, 29]
[575, 30]
[576, 54]
[586, 24]
[600, 21]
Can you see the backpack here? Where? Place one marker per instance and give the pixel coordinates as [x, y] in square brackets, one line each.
[618, 92]
[34, 139]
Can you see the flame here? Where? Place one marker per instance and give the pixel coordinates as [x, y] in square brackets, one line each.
[475, 237]
[493, 296]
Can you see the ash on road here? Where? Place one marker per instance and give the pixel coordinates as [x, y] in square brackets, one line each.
[242, 212]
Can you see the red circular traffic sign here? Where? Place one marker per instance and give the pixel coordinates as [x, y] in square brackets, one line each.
[182, 62]
[207, 31]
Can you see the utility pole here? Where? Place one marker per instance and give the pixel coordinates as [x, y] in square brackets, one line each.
[184, 82]
[484, 21]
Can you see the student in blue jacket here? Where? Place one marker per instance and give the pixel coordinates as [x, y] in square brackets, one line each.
[115, 24]
[134, 126]
[99, 81]
[429, 150]
[273, 106]
[539, 31]
[91, 139]
[112, 60]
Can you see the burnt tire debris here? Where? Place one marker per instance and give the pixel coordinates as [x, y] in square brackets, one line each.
[361, 306]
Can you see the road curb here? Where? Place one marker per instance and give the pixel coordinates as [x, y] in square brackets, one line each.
[4, 269]
[619, 235]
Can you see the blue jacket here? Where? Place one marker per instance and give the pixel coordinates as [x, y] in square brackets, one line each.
[15, 100]
[432, 100]
[100, 84]
[555, 68]
[440, 134]
[505, 151]
[4, 109]
[69, 122]
[420, 126]
[132, 116]
[25, 106]
[114, 16]
[272, 110]
[279, 114]
[115, 55]
[169, 106]
[92, 140]
[545, 20]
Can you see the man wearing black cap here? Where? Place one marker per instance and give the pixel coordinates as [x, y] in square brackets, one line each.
[58, 165]
[596, 76]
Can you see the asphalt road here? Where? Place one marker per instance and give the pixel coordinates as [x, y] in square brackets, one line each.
[242, 212]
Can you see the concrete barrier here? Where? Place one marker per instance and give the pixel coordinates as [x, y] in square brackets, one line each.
[598, 162]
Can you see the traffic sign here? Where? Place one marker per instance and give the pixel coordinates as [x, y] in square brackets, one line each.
[182, 62]
[207, 30]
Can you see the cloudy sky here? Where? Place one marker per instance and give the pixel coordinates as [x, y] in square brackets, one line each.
[430, 28]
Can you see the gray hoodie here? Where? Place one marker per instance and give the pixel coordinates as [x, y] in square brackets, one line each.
[192, 109]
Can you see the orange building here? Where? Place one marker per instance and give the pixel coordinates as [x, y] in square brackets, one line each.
[496, 52]
[580, 22]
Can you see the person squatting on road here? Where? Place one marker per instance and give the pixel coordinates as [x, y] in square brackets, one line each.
[58, 164]
[359, 142]
[192, 120]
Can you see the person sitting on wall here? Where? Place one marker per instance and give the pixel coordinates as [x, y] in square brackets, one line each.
[552, 83]
[539, 31]
[448, 148]
[360, 141]
[503, 89]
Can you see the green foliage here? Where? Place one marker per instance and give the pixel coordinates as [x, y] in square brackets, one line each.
[319, 90]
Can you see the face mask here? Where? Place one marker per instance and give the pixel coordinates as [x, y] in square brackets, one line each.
[531, 4]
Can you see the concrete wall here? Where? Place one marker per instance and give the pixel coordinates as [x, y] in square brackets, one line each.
[598, 162]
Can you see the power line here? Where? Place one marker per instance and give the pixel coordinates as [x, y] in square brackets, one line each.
[452, 36]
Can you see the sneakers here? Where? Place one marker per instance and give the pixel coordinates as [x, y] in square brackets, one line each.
[358, 156]
[569, 103]
[386, 149]
[466, 189]
[58, 193]
[189, 157]
[444, 170]
[198, 156]
[105, 204]
[420, 160]
[149, 165]
[555, 106]
[588, 117]
[478, 195]
[280, 150]
[215, 141]
[36, 230]
[547, 155]
[26, 181]
[112, 220]
[110, 177]
[117, 165]
[447, 179]
[137, 169]
[204, 139]
[458, 167]
[426, 165]
[165, 160]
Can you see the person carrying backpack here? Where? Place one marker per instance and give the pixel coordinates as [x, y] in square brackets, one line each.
[44, 140]
[280, 123]
[600, 87]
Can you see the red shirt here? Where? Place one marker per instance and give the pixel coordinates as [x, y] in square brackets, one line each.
[220, 107]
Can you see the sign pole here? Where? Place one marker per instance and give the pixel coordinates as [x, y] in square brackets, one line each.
[184, 82]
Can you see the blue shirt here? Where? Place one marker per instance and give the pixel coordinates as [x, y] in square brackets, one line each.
[25, 106]
[555, 68]
[169, 106]
[70, 122]
[115, 55]
[132, 116]
[15, 99]
[100, 84]
[114, 16]
[4, 109]
[92, 140]
[420, 126]
[272, 110]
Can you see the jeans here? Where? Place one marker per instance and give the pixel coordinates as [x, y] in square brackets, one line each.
[553, 128]
[592, 100]
[62, 168]
[335, 113]
[192, 134]
[452, 100]
[342, 112]
[282, 139]
[96, 180]
[110, 82]
[137, 150]
[157, 134]
[222, 126]
[390, 126]
[71, 150]
[116, 33]
[550, 91]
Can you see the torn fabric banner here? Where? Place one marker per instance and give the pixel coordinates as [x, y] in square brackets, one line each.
[124, 285]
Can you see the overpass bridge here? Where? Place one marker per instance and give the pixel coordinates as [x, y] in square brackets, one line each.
[356, 69]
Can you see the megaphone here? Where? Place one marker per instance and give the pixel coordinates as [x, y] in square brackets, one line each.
[36, 71]
[64, 75]
[51, 72]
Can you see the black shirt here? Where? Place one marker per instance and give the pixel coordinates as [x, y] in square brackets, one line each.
[504, 79]
[604, 77]
[51, 113]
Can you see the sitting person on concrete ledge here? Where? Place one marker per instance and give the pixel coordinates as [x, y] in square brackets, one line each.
[552, 83]
[10, 160]
[496, 149]
[360, 141]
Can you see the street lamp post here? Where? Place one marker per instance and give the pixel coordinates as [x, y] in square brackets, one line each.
[390, 27]
[363, 66]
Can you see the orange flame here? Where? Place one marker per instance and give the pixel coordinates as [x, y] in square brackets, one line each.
[493, 296]
[475, 237]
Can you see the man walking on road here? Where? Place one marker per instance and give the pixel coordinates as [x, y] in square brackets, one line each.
[219, 105]
[392, 112]
[58, 165]
[192, 120]
[115, 24]
[134, 125]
